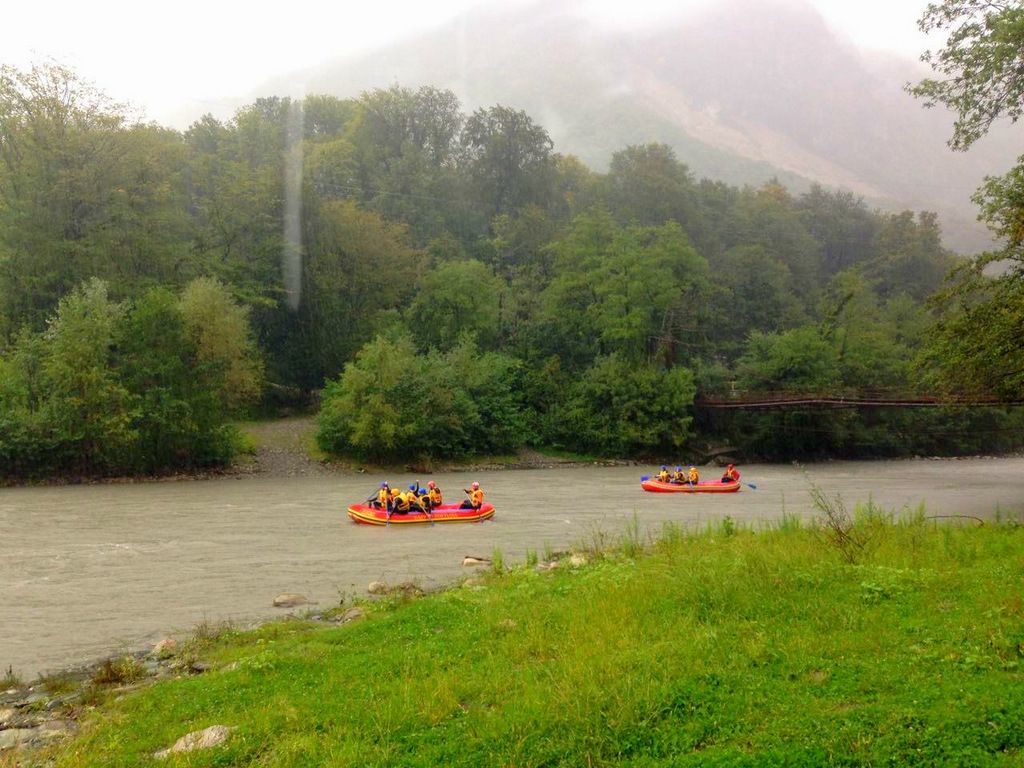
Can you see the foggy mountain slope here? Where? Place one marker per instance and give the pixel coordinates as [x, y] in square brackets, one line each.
[744, 91]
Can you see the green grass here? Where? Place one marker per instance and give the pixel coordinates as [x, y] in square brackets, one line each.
[727, 647]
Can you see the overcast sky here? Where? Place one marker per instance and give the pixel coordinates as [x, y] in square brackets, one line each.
[175, 61]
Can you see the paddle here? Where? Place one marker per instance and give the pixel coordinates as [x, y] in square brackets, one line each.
[644, 478]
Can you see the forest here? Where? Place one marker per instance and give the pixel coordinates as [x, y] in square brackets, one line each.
[445, 285]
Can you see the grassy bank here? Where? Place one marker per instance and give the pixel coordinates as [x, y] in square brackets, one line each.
[726, 647]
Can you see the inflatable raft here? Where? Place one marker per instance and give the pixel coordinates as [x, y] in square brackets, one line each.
[705, 486]
[446, 513]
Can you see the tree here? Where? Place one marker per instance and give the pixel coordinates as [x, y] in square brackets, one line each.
[229, 362]
[83, 193]
[647, 185]
[85, 404]
[391, 403]
[621, 408]
[910, 257]
[842, 224]
[614, 289]
[179, 422]
[457, 298]
[406, 151]
[753, 292]
[974, 346]
[981, 65]
[359, 270]
[800, 360]
[768, 216]
[508, 160]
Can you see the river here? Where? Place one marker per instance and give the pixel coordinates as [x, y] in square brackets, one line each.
[86, 571]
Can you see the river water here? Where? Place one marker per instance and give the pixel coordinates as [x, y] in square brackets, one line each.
[86, 571]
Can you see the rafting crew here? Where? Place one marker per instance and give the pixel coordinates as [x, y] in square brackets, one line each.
[415, 499]
[693, 476]
[663, 475]
[730, 475]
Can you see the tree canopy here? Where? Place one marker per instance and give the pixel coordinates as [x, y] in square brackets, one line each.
[454, 285]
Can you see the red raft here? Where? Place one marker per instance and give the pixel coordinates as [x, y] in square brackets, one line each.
[707, 486]
[446, 513]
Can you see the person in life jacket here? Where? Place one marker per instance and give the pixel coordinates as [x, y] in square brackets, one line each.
[679, 476]
[693, 476]
[383, 497]
[476, 497]
[404, 502]
[663, 476]
[433, 494]
[731, 475]
[401, 502]
[415, 503]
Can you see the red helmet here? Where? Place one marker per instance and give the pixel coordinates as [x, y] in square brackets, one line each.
[474, 486]
[431, 484]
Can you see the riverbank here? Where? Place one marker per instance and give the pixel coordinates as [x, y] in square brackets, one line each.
[724, 646]
[286, 448]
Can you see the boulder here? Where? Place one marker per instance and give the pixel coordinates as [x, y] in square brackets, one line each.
[352, 614]
[213, 736]
[164, 647]
[377, 588]
[14, 737]
[53, 730]
[289, 600]
[471, 560]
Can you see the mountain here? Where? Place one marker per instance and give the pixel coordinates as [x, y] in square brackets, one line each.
[743, 91]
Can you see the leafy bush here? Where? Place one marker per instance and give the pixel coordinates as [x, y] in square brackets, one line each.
[620, 408]
[118, 388]
[391, 404]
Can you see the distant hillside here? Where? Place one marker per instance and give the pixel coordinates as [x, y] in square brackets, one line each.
[746, 91]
